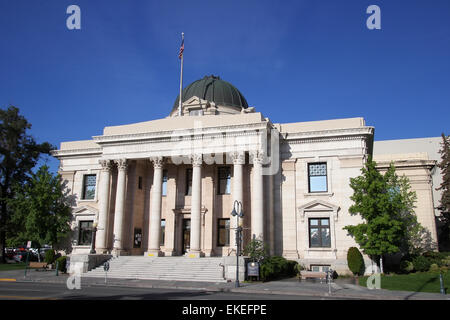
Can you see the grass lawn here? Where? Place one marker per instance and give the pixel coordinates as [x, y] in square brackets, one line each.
[11, 266]
[416, 282]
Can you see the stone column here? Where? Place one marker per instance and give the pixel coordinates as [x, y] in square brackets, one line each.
[155, 211]
[238, 192]
[257, 226]
[196, 204]
[103, 207]
[119, 213]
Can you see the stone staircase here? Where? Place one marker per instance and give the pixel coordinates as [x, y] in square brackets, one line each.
[206, 269]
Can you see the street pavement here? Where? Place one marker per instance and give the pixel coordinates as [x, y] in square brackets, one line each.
[281, 289]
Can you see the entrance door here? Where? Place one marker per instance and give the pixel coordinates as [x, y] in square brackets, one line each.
[186, 235]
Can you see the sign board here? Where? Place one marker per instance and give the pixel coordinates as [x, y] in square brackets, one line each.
[28, 244]
[106, 266]
[253, 269]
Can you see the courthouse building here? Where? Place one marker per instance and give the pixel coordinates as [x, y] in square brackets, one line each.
[167, 187]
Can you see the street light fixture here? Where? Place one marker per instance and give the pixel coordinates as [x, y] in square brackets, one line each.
[94, 230]
[238, 213]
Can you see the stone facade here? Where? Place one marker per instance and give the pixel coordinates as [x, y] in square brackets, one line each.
[158, 190]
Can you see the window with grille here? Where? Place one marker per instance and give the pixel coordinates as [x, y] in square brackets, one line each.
[317, 177]
[89, 186]
[319, 233]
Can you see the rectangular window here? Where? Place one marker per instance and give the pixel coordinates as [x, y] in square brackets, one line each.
[162, 236]
[224, 180]
[320, 268]
[164, 183]
[223, 232]
[89, 186]
[317, 177]
[140, 183]
[319, 233]
[85, 233]
[188, 182]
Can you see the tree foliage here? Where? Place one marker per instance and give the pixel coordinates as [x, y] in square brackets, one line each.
[355, 261]
[386, 205]
[444, 203]
[41, 209]
[19, 153]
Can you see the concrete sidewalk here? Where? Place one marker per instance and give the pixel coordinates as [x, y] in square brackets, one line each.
[339, 289]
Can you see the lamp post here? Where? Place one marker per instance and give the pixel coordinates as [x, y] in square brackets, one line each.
[94, 230]
[238, 213]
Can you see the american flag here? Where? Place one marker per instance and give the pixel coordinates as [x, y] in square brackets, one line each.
[180, 55]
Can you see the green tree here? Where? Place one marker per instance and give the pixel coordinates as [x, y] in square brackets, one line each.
[383, 202]
[19, 153]
[256, 249]
[42, 209]
[444, 203]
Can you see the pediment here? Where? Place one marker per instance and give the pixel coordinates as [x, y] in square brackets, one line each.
[85, 211]
[318, 205]
[195, 101]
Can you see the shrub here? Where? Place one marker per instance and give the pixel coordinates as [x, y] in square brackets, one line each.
[276, 267]
[406, 266]
[421, 264]
[355, 261]
[62, 263]
[434, 268]
[50, 256]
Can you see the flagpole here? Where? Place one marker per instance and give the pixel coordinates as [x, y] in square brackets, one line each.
[181, 79]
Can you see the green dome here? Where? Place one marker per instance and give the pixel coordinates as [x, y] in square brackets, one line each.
[214, 89]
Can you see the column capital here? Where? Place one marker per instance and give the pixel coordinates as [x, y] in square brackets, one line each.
[122, 164]
[106, 165]
[238, 157]
[158, 162]
[197, 160]
[258, 156]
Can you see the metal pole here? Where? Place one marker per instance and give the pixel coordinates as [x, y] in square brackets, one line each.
[237, 255]
[441, 280]
[26, 265]
[181, 79]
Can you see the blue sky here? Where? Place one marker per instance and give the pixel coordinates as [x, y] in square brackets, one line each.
[293, 60]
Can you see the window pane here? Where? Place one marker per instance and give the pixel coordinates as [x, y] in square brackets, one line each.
[188, 182]
[164, 183]
[163, 232]
[326, 241]
[324, 222]
[318, 184]
[89, 186]
[85, 234]
[314, 222]
[314, 237]
[223, 232]
[224, 180]
[318, 169]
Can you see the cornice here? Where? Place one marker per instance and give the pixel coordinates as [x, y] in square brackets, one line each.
[172, 135]
[328, 135]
